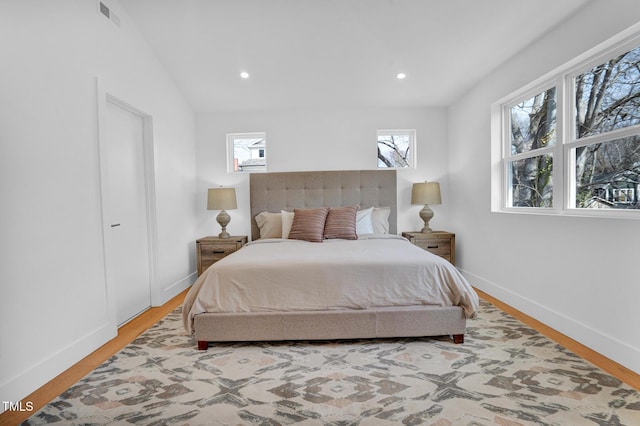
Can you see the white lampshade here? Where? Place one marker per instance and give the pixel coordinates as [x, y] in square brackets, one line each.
[221, 199]
[426, 193]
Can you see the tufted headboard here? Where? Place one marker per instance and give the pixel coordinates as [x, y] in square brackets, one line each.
[273, 192]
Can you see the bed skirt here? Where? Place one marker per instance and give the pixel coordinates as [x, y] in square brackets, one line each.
[415, 321]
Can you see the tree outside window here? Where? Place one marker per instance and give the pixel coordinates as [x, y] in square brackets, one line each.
[572, 140]
[396, 148]
[533, 136]
[607, 104]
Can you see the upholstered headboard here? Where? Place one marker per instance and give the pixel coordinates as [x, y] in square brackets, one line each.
[273, 192]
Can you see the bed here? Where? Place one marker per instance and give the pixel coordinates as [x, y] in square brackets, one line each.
[346, 282]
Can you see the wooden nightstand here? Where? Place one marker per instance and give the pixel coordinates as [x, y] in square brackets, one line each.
[211, 249]
[437, 242]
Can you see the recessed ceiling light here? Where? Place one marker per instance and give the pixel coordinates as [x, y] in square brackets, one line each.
[244, 75]
[401, 76]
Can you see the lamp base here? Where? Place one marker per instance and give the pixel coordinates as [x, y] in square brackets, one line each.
[426, 214]
[223, 219]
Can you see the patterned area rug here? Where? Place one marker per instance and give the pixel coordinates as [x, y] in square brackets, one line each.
[504, 374]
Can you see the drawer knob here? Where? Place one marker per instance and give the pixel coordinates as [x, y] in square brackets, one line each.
[436, 246]
[218, 252]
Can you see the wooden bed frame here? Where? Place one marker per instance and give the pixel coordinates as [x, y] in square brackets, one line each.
[285, 191]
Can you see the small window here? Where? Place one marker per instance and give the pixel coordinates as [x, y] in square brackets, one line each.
[247, 152]
[396, 148]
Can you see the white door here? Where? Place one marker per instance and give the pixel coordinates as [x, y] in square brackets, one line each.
[127, 206]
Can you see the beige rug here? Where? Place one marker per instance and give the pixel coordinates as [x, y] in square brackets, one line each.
[504, 374]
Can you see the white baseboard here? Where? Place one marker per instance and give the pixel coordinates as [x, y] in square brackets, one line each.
[176, 288]
[612, 348]
[25, 382]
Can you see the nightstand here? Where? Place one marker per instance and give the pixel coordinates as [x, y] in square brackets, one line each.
[440, 243]
[211, 249]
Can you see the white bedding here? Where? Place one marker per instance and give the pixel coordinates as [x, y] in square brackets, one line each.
[292, 275]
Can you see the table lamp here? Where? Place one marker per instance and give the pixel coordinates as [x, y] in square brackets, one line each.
[222, 199]
[426, 193]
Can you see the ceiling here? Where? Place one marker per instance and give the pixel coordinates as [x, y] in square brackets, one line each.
[337, 53]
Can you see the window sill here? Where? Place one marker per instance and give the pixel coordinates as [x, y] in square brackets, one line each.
[588, 213]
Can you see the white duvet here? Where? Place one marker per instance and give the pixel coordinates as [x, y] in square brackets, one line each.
[292, 275]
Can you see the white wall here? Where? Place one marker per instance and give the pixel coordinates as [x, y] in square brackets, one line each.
[321, 139]
[578, 275]
[53, 308]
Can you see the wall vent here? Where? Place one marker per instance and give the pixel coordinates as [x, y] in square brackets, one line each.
[104, 10]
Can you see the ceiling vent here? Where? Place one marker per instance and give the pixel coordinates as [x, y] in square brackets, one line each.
[104, 10]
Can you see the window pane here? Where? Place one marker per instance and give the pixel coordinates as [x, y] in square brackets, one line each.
[531, 182]
[608, 174]
[533, 122]
[248, 154]
[395, 150]
[607, 97]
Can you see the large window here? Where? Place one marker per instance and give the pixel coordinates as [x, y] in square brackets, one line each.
[247, 152]
[570, 143]
[396, 148]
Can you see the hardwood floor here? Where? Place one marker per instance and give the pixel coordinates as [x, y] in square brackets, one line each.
[135, 327]
[126, 334]
[616, 370]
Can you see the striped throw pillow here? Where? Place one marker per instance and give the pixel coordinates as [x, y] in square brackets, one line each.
[341, 223]
[308, 224]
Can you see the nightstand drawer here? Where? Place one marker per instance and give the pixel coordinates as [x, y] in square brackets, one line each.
[216, 252]
[211, 249]
[436, 246]
[440, 243]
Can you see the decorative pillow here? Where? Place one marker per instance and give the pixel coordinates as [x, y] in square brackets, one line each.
[341, 223]
[380, 220]
[364, 224]
[270, 224]
[287, 221]
[308, 224]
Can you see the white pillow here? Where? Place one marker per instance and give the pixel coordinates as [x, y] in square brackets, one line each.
[364, 221]
[380, 220]
[287, 221]
[270, 224]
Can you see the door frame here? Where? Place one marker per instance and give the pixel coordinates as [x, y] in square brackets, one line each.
[105, 96]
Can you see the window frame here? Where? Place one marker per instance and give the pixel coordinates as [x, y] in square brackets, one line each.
[411, 164]
[564, 167]
[231, 138]
[553, 150]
